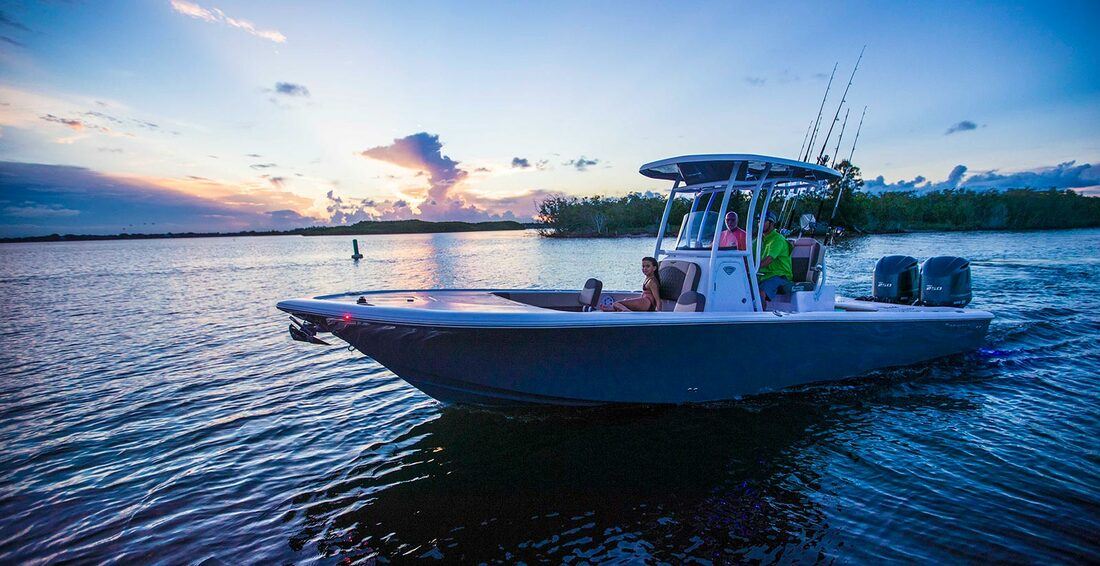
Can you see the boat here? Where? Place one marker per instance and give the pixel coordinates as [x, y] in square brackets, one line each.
[714, 337]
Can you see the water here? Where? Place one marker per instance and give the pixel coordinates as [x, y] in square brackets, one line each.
[154, 410]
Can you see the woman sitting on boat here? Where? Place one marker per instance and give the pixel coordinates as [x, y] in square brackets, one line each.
[651, 294]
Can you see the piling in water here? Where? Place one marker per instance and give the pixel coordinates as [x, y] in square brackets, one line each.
[355, 247]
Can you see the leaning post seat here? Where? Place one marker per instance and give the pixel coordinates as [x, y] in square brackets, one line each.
[690, 301]
[676, 277]
[589, 296]
[808, 294]
[805, 261]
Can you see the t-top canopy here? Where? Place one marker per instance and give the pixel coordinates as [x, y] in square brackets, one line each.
[696, 169]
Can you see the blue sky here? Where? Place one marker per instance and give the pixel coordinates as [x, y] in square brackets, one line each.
[214, 115]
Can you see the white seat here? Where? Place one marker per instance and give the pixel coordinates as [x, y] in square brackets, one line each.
[676, 277]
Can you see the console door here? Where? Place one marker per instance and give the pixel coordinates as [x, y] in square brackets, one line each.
[730, 289]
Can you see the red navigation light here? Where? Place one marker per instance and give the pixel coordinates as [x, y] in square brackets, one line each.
[347, 317]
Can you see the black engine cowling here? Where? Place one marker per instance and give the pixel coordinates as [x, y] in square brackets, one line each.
[897, 280]
[945, 282]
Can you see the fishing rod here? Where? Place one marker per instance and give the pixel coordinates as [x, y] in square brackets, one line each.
[857, 135]
[817, 124]
[804, 138]
[853, 152]
[840, 137]
[843, 98]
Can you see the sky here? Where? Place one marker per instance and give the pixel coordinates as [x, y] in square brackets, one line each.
[212, 115]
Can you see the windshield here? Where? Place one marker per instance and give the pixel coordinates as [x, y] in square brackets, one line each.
[697, 229]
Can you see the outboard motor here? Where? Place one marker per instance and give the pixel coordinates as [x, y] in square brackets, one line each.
[945, 282]
[896, 280]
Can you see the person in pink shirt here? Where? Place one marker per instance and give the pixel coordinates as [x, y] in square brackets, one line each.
[732, 236]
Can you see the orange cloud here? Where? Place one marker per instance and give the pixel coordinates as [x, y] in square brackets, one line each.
[253, 197]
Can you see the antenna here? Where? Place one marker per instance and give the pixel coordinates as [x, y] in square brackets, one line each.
[843, 97]
[819, 111]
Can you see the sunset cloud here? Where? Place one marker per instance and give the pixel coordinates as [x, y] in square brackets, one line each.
[214, 15]
[42, 199]
[70, 122]
[448, 196]
[44, 114]
[423, 152]
[520, 207]
[343, 210]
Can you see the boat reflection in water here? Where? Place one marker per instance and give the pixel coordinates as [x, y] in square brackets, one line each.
[742, 482]
[713, 338]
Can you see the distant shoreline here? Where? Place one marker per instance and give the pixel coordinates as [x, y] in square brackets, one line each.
[367, 228]
[298, 232]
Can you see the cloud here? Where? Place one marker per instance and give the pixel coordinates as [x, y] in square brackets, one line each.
[262, 165]
[956, 175]
[214, 15]
[277, 182]
[965, 125]
[424, 152]
[193, 10]
[289, 219]
[521, 207]
[32, 210]
[343, 210]
[70, 122]
[581, 164]
[103, 116]
[79, 124]
[447, 198]
[11, 41]
[43, 199]
[543, 164]
[291, 89]
[6, 20]
[755, 81]
[109, 149]
[1067, 175]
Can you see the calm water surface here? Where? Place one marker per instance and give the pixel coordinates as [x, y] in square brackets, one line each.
[154, 410]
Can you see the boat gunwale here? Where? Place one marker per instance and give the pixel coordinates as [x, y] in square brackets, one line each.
[326, 306]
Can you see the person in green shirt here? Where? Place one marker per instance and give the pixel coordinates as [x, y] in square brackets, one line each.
[774, 274]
